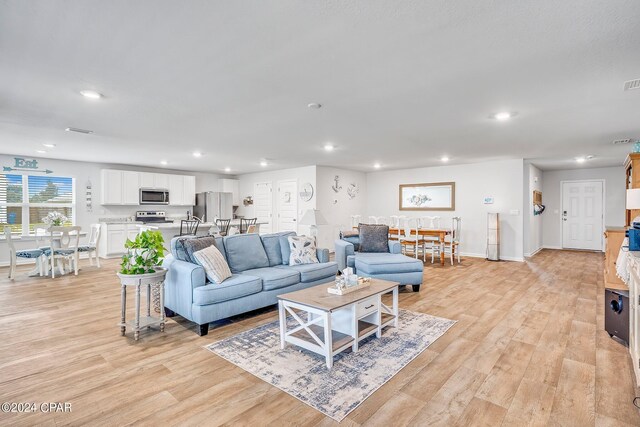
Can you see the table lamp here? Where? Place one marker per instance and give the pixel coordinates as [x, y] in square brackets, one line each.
[633, 201]
[313, 218]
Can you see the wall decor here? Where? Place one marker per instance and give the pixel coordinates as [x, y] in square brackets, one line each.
[23, 165]
[89, 196]
[352, 191]
[247, 201]
[307, 192]
[488, 200]
[337, 187]
[435, 196]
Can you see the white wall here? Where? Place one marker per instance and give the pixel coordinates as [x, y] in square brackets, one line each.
[337, 207]
[614, 202]
[532, 223]
[301, 175]
[86, 171]
[503, 180]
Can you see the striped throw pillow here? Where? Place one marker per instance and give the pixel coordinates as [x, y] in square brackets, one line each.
[214, 264]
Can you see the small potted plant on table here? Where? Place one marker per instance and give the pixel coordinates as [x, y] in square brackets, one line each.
[140, 267]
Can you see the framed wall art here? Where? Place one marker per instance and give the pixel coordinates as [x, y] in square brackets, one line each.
[435, 196]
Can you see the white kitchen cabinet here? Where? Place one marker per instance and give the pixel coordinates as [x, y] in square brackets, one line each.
[111, 193]
[113, 237]
[147, 180]
[189, 194]
[130, 188]
[176, 190]
[231, 186]
[123, 187]
[161, 180]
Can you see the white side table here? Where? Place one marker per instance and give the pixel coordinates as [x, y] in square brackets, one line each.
[138, 281]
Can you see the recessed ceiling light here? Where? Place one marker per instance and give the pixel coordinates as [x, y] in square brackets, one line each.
[589, 157]
[50, 145]
[91, 94]
[444, 159]
[377, 165]
[164, 162]
[263, 163]
[197, 154]
[41, 152]
[314, 105]
[581, 159]
[503, 115]
[329, 147]
[227, 170]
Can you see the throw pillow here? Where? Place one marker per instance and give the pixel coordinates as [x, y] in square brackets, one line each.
[303, 250]
[214, 264]
[374, 238]
[193, 245]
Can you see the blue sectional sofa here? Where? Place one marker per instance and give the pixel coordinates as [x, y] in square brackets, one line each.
[390, 265]
[260, 273]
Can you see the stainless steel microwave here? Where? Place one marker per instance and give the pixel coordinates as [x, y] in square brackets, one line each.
[154, 196]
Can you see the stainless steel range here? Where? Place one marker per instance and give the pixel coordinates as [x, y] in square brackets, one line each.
[152, 216]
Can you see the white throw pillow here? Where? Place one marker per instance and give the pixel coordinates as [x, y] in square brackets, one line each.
[303, 250]
[214, 264]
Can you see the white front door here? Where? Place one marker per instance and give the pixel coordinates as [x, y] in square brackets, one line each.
[582, 224]
[263, 205]
[288, 206]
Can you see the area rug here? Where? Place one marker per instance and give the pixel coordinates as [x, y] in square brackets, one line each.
[354, 376]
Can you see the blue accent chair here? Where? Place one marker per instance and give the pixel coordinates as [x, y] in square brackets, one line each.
[390, 265]
[260, 272]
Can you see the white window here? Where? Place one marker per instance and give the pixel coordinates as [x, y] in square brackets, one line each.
[26, 199]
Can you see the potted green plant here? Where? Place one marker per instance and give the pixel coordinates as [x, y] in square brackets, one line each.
[144, 253]
[141, 267]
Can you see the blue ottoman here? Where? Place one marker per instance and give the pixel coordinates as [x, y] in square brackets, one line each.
[387, 266]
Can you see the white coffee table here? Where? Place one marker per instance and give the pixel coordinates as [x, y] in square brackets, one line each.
[336, 322]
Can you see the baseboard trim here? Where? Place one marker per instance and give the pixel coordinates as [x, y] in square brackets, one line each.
[552, 247]
[529, 255]
[502, 258]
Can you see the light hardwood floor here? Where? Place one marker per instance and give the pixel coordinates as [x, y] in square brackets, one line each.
[528, 349]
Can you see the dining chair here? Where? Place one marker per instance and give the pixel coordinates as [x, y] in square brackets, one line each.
[61, 249]
[245, 223]
[189, 227]
[92, 246]
[451, 244]
[14, 254]
[223, 226]
[411, 237]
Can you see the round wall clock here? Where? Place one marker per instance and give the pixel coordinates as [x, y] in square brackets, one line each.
[307, 192]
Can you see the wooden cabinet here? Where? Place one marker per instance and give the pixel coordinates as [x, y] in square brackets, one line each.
[231, 186]
[632, 173]
[613, 240]
[123, 187]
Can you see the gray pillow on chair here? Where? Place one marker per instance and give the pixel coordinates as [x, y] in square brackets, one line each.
[374, 238]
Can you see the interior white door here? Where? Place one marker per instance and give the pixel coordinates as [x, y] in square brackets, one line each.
[582, 222]
[263, 205]
[288, 206]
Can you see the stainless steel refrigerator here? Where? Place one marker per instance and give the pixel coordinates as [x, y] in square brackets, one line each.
[212, 204]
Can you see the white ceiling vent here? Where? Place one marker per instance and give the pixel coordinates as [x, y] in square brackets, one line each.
[632, 84]
[622, 141]
[78, 130]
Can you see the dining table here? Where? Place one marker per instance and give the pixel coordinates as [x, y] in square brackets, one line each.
[440, 233]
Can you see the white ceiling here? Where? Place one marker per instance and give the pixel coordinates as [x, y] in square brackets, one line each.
[401, 82]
